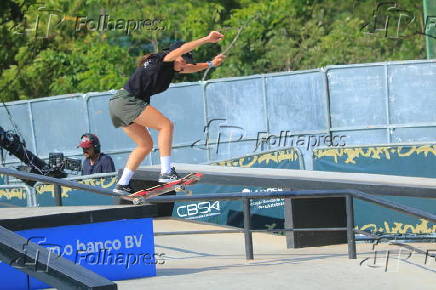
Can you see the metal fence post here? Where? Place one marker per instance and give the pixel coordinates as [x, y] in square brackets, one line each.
[58, 195]
[247, 230]
[350, 227]
[289, 223]
[29, 196]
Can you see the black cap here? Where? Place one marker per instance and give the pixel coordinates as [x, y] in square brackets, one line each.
[187, 56]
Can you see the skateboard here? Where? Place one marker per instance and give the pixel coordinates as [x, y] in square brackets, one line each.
[179, 185]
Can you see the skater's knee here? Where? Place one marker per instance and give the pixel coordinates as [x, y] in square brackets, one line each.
[145, 145]
[167, 124]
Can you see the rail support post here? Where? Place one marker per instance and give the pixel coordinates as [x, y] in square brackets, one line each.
[289, 223]
[58, 194]
[350, 227]
[247, 230]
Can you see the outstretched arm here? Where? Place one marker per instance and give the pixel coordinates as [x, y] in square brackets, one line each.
[192, 68]
[213, 37]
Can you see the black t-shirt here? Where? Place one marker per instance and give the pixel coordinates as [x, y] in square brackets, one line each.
[151, 78]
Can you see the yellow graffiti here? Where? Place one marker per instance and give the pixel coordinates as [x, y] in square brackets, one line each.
[10, 193]
[65, 191]
[374, 152]
[278, 157]
[424, 227]
[249, 161]
[245, 162]
[49, 188]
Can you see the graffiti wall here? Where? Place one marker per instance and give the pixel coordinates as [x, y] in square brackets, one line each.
[417, 161]
[13, 197]
[45, 193]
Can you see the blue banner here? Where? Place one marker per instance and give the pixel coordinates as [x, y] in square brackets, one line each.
[117, 250]
[12, 279]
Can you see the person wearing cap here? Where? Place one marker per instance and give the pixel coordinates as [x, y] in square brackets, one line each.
[95, 161]
[130, 107]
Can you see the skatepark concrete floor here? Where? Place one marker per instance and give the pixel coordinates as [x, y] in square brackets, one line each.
[217, 261]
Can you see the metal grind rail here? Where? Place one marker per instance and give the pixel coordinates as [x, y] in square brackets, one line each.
[246, 198]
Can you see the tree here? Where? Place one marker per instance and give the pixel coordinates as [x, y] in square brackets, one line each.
[69, 54]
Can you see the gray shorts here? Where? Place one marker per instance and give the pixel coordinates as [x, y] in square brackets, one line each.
[125, 108]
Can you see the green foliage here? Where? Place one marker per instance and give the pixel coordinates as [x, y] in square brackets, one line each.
[260, 37]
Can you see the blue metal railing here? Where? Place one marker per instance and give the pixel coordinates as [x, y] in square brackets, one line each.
[246, 197]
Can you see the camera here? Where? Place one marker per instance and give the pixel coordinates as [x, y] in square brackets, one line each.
[56, 166]
[57, 162]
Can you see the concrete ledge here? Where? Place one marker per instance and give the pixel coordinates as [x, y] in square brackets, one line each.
[304, 179]
[30, 218]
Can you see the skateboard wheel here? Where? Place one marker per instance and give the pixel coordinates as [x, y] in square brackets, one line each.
[179, 188]
[138, 201]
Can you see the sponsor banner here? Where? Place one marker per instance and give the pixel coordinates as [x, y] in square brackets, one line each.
[260, 204]
[199, 210]
[265, 213]
[12, 279]
[417, 161]
[117, 250]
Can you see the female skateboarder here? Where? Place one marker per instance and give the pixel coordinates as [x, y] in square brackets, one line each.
[130, 107]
